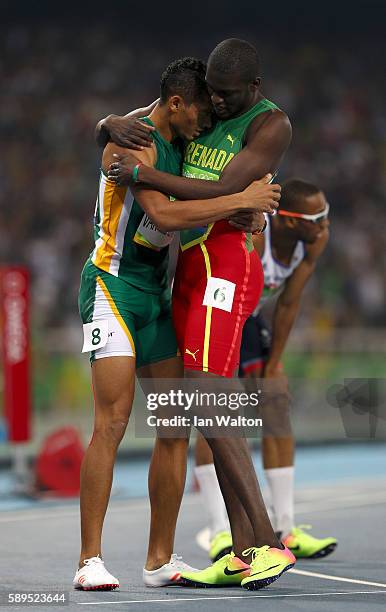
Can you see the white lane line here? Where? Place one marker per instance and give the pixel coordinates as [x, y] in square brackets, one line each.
[26, 516]
[337, 578]
[309, 507]
[316, 509]
[177, 599]
[342, 503]
[310, 493]
[9, 516]
[36, 517]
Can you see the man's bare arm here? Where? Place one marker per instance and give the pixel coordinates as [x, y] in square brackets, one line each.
[128, 131]
[264, 149]
[288, 303]
[184, 214]
[170, 216]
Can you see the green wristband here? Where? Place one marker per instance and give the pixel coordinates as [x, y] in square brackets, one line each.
[135, 173]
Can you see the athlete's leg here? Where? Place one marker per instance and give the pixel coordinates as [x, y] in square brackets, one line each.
[113, 384]
[277, 443]
[212, 484]
[202, 453]
[210, 492]
[167, 475]
[277, 448]
[210, 489]
[239, 486]
[211, 348]
[242, 531]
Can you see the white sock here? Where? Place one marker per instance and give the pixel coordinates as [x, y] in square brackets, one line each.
[281, 485]
[212, 498]
[267, 498]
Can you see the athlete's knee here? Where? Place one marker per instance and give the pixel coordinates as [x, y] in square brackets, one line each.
[111, 431]
[277, 421]
[173, 445]
[112, 423]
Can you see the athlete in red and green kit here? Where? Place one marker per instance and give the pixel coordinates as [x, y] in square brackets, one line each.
[218, 277]
[218, 282]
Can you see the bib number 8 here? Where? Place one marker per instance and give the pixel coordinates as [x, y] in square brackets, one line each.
[96, 336]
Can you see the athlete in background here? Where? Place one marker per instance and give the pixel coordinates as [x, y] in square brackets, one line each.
[289, 249]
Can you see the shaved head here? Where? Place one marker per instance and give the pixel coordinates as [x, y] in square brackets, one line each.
[295, 195]
[235, 56]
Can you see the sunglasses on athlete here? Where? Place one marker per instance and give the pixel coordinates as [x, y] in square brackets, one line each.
[321, 216]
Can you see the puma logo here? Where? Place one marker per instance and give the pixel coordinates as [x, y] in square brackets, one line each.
[231, 139]
[192, 354]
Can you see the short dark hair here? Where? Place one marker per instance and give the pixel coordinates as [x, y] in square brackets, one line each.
[236, 56]
[293, 190]
[186, 78]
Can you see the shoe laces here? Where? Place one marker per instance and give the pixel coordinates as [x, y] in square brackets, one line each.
[258, 554]
[223, 561]
[92, 560]
[177, 561]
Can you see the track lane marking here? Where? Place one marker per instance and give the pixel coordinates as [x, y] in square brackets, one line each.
[337, 578]
[177, 599]
[345, 501]
[60, 512]
[189, 500]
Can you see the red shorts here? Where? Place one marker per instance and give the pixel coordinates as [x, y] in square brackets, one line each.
[217, 285]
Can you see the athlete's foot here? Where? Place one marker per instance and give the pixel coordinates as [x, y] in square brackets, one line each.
[227, 571]
[305, 546]
[93, 576]
[220, 545]
[267, 565]
[168, 574]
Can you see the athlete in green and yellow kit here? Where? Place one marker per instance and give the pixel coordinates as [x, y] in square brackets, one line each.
[218, 282]
[125, 307]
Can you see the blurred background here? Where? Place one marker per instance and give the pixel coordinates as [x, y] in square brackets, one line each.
[64, 68]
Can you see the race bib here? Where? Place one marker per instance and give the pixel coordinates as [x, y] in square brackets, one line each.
[95, 335]
[219, 293]
[150, 236]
